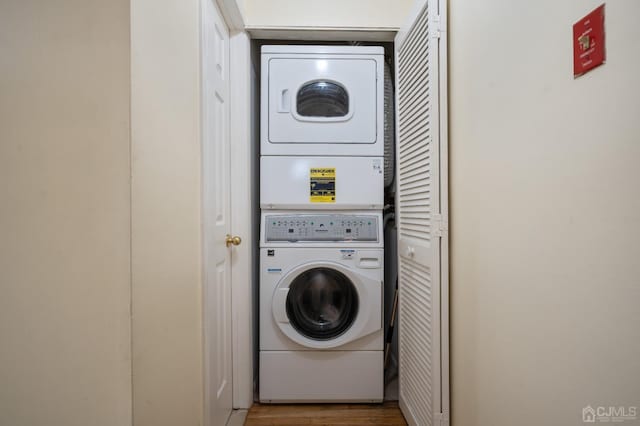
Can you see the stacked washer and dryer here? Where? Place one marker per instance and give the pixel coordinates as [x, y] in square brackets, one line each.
[321, 239]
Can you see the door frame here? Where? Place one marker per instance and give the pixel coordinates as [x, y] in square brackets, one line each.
[241, 125]
[241, 218]
[240, 179]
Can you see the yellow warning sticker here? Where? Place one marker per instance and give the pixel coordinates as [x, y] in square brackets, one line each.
[322, 184]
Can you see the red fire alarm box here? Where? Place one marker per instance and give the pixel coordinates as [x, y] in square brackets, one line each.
[588, 42]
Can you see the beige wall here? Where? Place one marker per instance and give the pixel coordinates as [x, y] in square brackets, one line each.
[64, 213]
[166, 245]
[545, 202]
[242, 6]
[326, 13]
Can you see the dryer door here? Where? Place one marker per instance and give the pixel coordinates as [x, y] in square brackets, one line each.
[325, 306]
[315, 100]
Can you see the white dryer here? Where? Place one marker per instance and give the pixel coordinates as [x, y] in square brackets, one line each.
[321, 333]
[322, 100]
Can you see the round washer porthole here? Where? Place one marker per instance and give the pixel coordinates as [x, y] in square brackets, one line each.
[322, 303]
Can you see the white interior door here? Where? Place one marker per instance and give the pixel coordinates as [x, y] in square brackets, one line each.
[422, 218]
[216, 215]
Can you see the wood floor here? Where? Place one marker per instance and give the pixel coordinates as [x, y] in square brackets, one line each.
[325, 415]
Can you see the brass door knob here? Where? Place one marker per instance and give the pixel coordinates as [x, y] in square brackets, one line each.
[233, 240]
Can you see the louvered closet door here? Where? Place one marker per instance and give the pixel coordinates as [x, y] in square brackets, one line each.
[421, 159]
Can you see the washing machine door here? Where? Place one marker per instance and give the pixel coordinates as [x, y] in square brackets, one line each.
[315, 100]
[324, 305]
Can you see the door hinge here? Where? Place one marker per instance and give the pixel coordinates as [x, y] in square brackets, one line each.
[436, 26]
[440, 225]
[442, 419]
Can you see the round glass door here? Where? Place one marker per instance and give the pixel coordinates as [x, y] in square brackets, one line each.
[322, 303]
[322, 99]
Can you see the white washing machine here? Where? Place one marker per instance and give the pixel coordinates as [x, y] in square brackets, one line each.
[321, 183]
[322, 100]
[321, 301]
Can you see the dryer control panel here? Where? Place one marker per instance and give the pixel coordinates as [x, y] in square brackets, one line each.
[321, 227]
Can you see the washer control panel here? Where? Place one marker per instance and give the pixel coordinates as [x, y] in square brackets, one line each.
[321, 227]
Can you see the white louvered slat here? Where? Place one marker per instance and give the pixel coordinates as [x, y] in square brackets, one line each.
[418, 215]
[416, 346]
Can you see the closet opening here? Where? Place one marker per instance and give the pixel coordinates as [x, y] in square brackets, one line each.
[327, 100]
